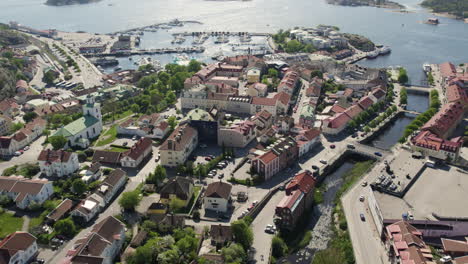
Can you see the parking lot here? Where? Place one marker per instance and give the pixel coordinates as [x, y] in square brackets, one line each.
[438, 190]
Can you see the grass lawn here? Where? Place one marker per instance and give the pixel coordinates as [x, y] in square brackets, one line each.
[108, 137]
[186, 209]
[117, 149]
[118, 116]
[35, 221]
[9, 224]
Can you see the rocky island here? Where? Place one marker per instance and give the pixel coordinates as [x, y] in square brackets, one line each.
[457, 8]
[69, 2]
[375, 3]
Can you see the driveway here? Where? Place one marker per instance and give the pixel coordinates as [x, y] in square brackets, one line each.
[29, 156]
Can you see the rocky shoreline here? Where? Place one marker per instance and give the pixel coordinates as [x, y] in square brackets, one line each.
[380, 4]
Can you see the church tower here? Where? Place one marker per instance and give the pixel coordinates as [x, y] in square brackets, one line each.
[92, 108]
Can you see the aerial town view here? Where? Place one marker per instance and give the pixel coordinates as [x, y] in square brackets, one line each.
[233, 132]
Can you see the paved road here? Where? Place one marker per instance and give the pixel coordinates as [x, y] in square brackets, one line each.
[29, 156]
[135, 178]
[262, 240]
[364, 234]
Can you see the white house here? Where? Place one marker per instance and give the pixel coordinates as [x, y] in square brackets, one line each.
[151, 126]
[178, 147]
[87, 127]
[92, 173]
[58, 162]
[217, 197]
[137, 153]
[93, 204]
[25, 192]
[101, 245]
[32, 130]
[18, 248]
[307, 139]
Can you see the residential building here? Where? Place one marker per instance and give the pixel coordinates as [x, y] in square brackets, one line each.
[151, 126]
[334, 125]
[353, 111]
[168, 222]
[307, 116]
[236, 134]
[253, 75]
[377, 95]
[9, 107]
[218, 197]
[18, 248]
[5, 125]
[283, 100]
[220, 235]
[455, 248]
[289, 82]
[263, 120]
[84, 128]
[298, 199]
[107, 157]
[21, 86]
[101, 245]
[281, 154]
[32, 130]
[60, 211]
[257, 89]
[307, 140]
[25, 192]
[58, 163]
[157, 208]
[92, 173]
[432, 139]
[137, 153]
[88, 208]
[110, 186]
[177, 187]
[178, 146]
[406, 245]
[206, 123]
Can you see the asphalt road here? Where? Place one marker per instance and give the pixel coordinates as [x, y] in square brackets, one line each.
[29, 156]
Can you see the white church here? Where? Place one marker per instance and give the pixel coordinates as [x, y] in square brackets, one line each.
[87, 127]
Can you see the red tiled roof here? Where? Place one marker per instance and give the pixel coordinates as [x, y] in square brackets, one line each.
[353, 111]
[288, 201]
[17, 241]
[7, 104]
[451, 245]
[337, 109]
[140, 147]
[179, 138]
[268, 157]
[445, 119]
[378, 93]
[339, 120]
[365, 102]
[456, 93]
[447, 69]
[49, 155]
[427, 139]
[283, 97]
[304, 181]
[311, 134]
[263, 101]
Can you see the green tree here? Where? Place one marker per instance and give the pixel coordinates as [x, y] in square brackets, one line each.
[272, 73]
[65, 227]
[235, 253]
[194, 66]
[402, 76]
[130, 200]
[176, 204]
[79, 186]
[172, 121]
[171, 97]
[49, 77]
[157, 176]
[58, 142]
[293, 46]
[242, 233]
[279, 247]
[135, 108]
[170, 256]
[329, 256]
[29, 116]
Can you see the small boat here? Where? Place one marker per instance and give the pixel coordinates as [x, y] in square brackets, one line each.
[385, 50]
[117, 69]
[427, 68]
[373, 54]
[432, 21]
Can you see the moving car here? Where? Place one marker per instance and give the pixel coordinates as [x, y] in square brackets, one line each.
[314, 167]
[378, 154]
[363, 218]
[323, 161]
[361, 198]
[350, 146]
[332, 146]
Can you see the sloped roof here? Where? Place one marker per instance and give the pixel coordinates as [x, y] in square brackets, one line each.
[219, 190]
[77, 126]
[181, 136]
[103, 156]
[60, 210]
[304, 181]
[180, 186]
[49, 155]
[137, 150]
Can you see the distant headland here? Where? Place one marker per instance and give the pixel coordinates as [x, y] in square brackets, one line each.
[69, 2]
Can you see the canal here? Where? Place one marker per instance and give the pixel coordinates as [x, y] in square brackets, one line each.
[320, 218]
[418, 102]
[390, 136]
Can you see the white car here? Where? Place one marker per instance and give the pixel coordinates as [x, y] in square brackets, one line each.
[362, 198]
[26, 148]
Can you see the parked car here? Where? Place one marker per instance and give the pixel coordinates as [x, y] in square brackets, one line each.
[314, 167]
[208, 158]
[332, 146]
[221, 175]
[134, 138]
[323, 161]
[361, 198]
[26, 148]
[364, 184]
[17, 153]
[123, 144]
[378, 154]
[363, 218]
[214, 172]
[350, 146]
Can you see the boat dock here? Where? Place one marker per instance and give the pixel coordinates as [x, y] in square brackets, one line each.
[225, 33]
[149, 52]
[155, 27]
